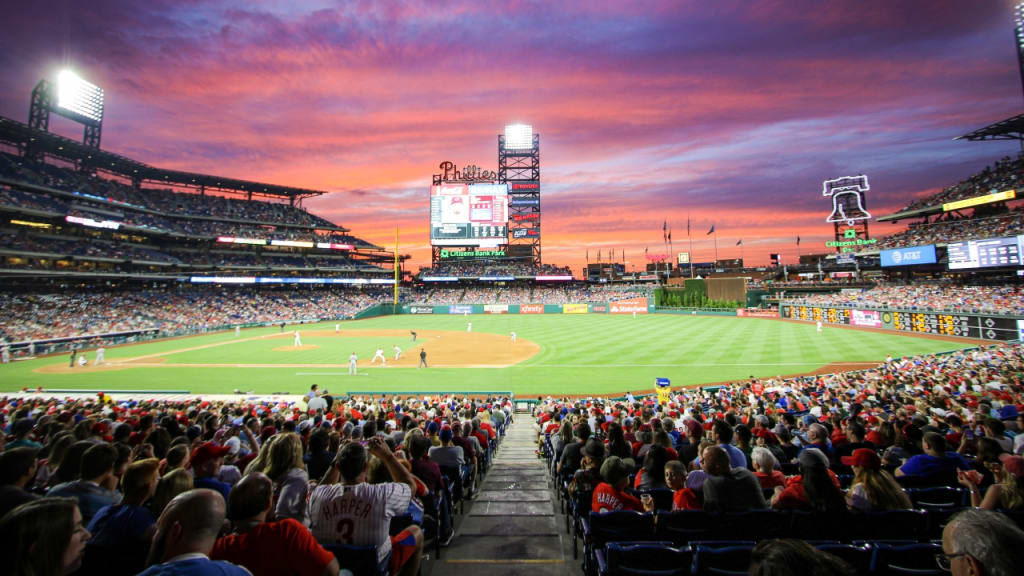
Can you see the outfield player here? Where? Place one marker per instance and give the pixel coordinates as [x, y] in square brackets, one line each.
[379, 354]
[99, 356]
[337, 328]
[352, 363]
[359, 514]
[513, 337]
[298, 341]
[5, 354]
[398, 351]
[238, 331]
[819, 326]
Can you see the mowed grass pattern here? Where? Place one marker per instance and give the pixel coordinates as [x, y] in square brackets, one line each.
[579, 354]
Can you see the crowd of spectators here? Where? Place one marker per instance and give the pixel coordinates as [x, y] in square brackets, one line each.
[576, 292]
[477, 268]
[1003, 175]
[146, 486]
[957, 230]
[1006, 299]
[838, 445]
[40, 316]
[160, 200]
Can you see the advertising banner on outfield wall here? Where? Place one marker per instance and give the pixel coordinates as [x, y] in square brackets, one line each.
[574, 308]
[495, 308]
[870, 318]
[531, 308]
[421, 309]
[638, 305]
[460, 309]
[753, 313]
[599, 308]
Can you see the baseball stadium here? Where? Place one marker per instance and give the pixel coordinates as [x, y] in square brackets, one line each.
[293, 319]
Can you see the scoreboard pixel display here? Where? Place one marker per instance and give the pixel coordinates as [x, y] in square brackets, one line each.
[469, 214]
[963, 325]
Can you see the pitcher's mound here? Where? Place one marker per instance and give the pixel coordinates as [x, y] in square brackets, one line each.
[292, 348]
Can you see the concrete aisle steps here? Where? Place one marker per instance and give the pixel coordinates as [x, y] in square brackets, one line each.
[514, 526]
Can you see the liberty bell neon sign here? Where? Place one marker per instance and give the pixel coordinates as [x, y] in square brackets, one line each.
[847, 199]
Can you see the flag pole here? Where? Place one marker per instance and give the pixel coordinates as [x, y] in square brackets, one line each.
[716, 247]
[394, 305]
[690, 236]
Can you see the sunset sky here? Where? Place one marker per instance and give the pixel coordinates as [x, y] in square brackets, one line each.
[729, 113]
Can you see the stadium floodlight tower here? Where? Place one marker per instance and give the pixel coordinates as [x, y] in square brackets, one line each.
[70, 96]
[1018, 31]
[519, 167]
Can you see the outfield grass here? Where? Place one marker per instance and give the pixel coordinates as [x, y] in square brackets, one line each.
[585, 354]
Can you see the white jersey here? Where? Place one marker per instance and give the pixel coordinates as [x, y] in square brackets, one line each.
[398, 352]
[99, 356]
[469, 327]
[82, 361]
[359, 515]
[513, 336]
[298, 341]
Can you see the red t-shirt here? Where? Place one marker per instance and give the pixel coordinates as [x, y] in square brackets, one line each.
[608, 499]
[272, 548]
[769, 481]
[686, 499]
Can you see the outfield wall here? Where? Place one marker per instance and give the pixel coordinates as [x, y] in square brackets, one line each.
[966, 325]
[640, 305]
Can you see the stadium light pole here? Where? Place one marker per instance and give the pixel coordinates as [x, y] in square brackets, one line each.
[1018, 32]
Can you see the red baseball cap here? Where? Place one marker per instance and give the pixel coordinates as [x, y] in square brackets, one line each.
[864, 457]
[1014, 464]
[207, 451]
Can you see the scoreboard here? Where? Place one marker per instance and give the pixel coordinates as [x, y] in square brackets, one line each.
[979, 326]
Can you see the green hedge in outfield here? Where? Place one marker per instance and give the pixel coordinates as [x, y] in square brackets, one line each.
[581, 354]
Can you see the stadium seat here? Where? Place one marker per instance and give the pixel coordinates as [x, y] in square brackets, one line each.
[727, 561]
[579, 507]
[619, 526]
[938, 497]
[917, 559]
[644, 559]
[683, 526]
[888, 525]
[455, 483]
[357, 559]
[858, 556]
[753, 525]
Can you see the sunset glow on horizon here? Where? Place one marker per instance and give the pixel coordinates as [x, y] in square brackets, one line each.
[727, 114]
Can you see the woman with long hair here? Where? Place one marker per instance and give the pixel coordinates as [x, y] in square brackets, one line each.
[1008, 491]
[652, 473]
[47, 468]
[291, 483]
[617, 445]
[560, 441]
[873, 489]
[177, 481]
[44, 537]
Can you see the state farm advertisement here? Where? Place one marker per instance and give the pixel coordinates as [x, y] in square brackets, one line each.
[865, 318]
[531, 308]
[638, 305]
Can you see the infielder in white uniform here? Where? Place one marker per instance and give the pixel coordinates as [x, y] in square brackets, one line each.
[81, 360]
[513, 337]
[298, 341]
[352, 363]
[469, 327]
[238, 331]
[337, 328]
[379, 354]
[99, 356]
[398, 351]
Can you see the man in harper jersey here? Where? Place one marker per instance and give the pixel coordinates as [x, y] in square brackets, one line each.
[354, 512]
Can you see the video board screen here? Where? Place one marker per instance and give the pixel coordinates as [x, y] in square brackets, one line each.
[988, 253]
[469, 214]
